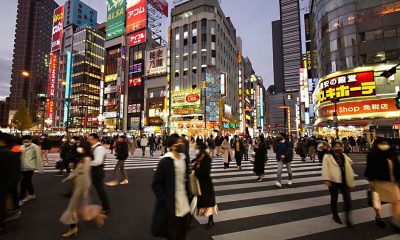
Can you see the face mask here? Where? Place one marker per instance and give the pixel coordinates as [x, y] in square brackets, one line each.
[73, 141]
[79, 150]
[197, 152]
[383, 147]
[180, 148]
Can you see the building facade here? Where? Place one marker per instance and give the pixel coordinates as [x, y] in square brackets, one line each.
[204, 69]
[355, 41]
[31, 54]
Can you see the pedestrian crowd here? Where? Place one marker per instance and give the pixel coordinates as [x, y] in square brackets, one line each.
[183, 186]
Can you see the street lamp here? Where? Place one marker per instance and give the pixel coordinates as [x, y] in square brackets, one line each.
[288, 118]
[25, 73]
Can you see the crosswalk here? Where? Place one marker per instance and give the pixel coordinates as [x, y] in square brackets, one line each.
[258, 210]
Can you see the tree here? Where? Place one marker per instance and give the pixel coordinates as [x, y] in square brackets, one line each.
[22, 120]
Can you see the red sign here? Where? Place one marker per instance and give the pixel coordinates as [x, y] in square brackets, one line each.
[192, 98]
[137, 38]
[135, 81]
[134, 108]
[58, 19]
[362, 107]
[161, 6]
[136, 15]
[52, 83]
[347, 86]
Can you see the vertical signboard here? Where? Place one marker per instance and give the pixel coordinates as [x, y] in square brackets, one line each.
[58, 19]
[156, 61]
[115, 25]
[137, 38]
[67, 85]
[136, 15]
[52, 83]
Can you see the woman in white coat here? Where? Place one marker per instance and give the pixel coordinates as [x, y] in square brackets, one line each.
[338, 174]
[226, 147]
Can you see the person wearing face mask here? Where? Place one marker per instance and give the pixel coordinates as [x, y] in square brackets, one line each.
[383, 174]
[65, 155]
[170, 186]
[226, 152]
[30, 160]
[206, 205]
[239, 149]
[78, 207]
[338, 174]
[284, 156]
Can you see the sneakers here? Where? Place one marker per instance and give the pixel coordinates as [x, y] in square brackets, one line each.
[278, 184]
[259, 179]
[28, 198]
[111, 183]
[124, 182]
[290, 183]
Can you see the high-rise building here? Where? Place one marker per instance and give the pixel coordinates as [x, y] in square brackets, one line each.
[277, 40]
[31, 53]
[204, 69]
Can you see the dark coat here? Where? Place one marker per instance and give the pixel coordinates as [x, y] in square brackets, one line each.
[10, 167]
[378, 167]
[46, 144]
[241, 146]
[259, 159]
[202, 170]
[65, 152]
[285, 149]
[122, 150]
[74, 154]
[164, 220]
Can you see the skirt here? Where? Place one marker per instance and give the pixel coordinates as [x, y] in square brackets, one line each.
[388, 191]
[206, 212]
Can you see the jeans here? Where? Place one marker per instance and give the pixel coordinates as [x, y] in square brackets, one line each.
[143, 150]
[334, 191]
[151, 149]
[246, 154]
[26, 183]
[97, 179]
[288, 167]
[120, 168]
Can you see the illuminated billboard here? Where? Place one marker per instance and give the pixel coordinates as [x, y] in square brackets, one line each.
[136, 15]
[52, 84]
[156, 61]
[186, 102]
[346, 86]
[135, 81]
[115, 25]
[58, 19]
[137, 38]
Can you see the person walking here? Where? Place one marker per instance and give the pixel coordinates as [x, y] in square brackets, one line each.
[143, 144]
[211, 145]
[239, 149]
[122, 152]
[78, 207]
[301, 148]
[284, 156]
[383, 174]
[246, 149]
[322, 149]
[312, 147]
[170, 186]
[98, 154]
[338, 174]
[112, 144]
[218, 142]
[206, 204]
[260, 158]
[45, 146]
[152, 144]
[132, 145]
[226, 148]
[346, 146]
[65, 155]
[30, 160]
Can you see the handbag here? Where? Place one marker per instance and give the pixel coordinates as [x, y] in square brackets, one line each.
[194, 184]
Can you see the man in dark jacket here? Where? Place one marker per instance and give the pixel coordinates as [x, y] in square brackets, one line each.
[218, 142]
[170, 186]
[239, 149]
[122, 153]
[152, 144]
[65, 155]
[9, 177]
[284, 155]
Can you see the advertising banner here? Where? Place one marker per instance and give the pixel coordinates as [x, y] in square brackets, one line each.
[136, 15]
[375, 106]
[160, 5]
[135, 123]
[134, 108]
[110, 102]
[227, 111]
[52, 84]
[136, 68]
[109, 114]
[110, 89]
[115, 25]
[137, 38]
[347, 86]
[156, 62]
[135, 81]
[111, 77]
[58, 19]
[186, 98]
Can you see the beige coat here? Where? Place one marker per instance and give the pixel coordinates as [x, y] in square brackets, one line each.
[227, 150]
[331, 170]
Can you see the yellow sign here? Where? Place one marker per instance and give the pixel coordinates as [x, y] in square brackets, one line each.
[110, 78]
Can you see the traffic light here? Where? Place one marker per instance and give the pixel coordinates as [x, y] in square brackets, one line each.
[389, 73]
[328, 124]
[398, 100]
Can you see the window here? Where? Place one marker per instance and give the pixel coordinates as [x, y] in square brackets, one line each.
[390, 33]
[334, 45]
[348, 41]
[194, 55]
[213, 38]
[194, 40]
[185, 42]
